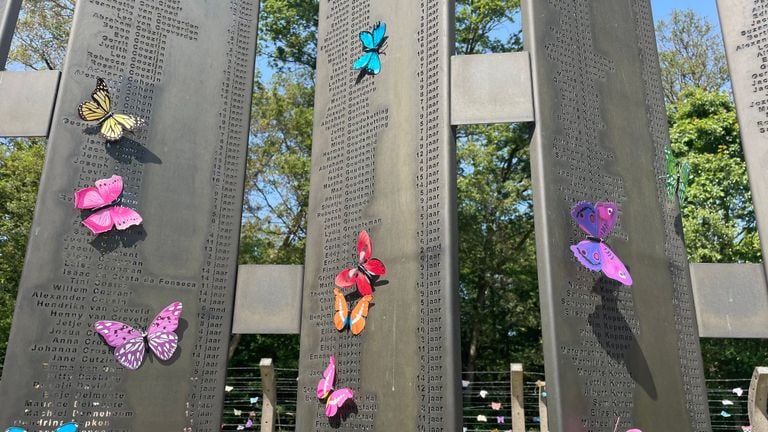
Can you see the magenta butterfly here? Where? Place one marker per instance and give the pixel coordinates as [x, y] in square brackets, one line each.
[367, 268]
[104, 194]
[335, 398]
[131, 344]
[597, 221]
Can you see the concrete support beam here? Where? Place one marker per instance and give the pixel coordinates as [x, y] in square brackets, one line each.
[518, 404]
[491, 88]
[268, 299]
[269, 394]
[26, 102]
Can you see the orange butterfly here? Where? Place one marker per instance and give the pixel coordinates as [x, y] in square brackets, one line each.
[342, 317]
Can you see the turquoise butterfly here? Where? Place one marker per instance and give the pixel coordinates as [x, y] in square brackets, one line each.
[678, 175]
[373, 42]
[66, 427]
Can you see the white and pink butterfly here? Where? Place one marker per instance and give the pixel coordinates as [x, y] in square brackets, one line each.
[105, 192]
[367, 268]
[335, 398]
[597, 221]
[131, 344]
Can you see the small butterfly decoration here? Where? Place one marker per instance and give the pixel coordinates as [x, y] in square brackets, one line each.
[597, 221]
[334, 399]
[66, 427]
[99, 109]
[343, 319]
[131, 344]
[105, 192]
[367, 268]
[678, 175]
[373, 44]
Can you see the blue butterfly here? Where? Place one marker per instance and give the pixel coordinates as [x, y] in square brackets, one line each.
[373, 42]
[66, 427]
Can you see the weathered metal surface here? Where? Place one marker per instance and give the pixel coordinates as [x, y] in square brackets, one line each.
[383, 159]
[186, 67]
[731, 300]
[611, 351]
[9, 14]
[491, 88]
[268, 299]
[26, 102]
[743, 23]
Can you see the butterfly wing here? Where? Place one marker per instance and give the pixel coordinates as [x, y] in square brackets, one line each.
[163, 344]
[607, 214]
[363, 284]
[106, 191]
[99, 221]
[357, 319]
[589, 254]
[374, 64]
[346, 278]
[325, 384]
[116, 333]
[363, 61]
[128, 122]
[585, 215]
[336, 400]
[613, 267]
[671, 172]
[111, 129]
[15, 429]
[374, 266]
[364, 248]
[67, 427]
[167, 320]
[685, 175]
[100, 104]
[341, 316]
[366, 38]
[124, 217]
[131, 353]
[378, 34]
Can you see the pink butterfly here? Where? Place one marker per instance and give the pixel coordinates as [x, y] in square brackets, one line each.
[597, 221]
[495, 406]
[131, 344]
[336, 398]
[104, 194]
[367, 268]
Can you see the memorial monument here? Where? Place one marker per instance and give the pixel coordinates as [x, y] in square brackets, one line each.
[183, 172]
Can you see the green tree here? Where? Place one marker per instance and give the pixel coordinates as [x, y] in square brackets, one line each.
[42, 32]
[691, 54]
[21, 163]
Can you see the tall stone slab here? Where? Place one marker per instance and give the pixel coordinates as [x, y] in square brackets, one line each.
[744, 24]
[383, 159]
[611, 351]
[187, 68]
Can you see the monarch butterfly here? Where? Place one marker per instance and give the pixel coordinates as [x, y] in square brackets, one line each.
[99, 108]
[343, 319]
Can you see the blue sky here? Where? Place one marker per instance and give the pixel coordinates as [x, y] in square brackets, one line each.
[707, 8]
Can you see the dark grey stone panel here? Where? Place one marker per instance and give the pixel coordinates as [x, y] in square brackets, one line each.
[383, 159]
[743, 24]
[731, 300]
[611, 351]
[186, 67]
[27, 102]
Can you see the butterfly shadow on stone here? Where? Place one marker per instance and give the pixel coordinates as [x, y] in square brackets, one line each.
[127, 148]
[615, 335]
[345, 411]
[376, 282]
[109, 241]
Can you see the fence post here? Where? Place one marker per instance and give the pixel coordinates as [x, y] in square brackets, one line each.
[269, 396]
[516, 382]
[541, 392]
[758, 400]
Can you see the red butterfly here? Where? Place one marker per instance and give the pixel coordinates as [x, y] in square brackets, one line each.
[367, 268]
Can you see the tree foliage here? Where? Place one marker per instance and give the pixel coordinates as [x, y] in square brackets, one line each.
[691, 54]
[42, 33]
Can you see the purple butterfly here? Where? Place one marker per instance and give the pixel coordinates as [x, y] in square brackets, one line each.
[131, 344]
[597, 221]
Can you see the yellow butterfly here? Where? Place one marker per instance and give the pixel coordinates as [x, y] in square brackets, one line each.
[99, 108]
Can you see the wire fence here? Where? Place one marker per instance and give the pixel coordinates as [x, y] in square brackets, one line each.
[487, 399]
